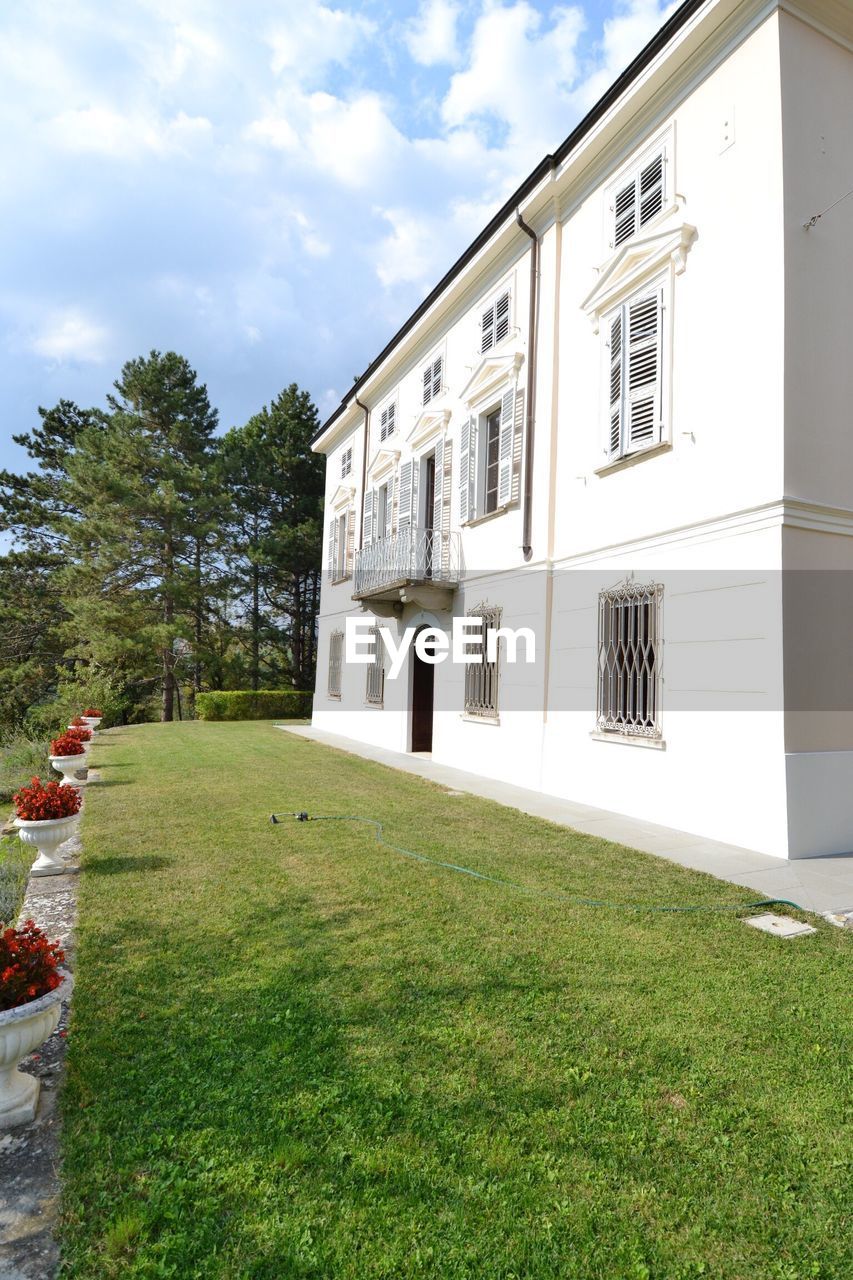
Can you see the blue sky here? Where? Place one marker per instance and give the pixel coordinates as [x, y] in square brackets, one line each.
[268, 188]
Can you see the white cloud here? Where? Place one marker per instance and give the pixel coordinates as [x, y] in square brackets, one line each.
[314, 37]
[69, 335]
[109, 132]
[273, 131]
[431, 36]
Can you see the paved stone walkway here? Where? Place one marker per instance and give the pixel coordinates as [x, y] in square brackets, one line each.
[823, 884]
[29, 1155]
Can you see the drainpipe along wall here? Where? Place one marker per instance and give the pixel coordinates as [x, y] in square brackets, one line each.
[527, 521]
[363, 469]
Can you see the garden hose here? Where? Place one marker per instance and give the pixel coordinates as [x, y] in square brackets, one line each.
[303, 816]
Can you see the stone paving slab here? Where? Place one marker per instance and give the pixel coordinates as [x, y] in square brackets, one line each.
[822, 884]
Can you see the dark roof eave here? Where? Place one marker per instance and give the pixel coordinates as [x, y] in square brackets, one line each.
[660, 39]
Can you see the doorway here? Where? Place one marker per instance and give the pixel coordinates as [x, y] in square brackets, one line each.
[423, 686]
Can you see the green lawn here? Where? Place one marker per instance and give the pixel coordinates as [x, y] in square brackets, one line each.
[297, 1054]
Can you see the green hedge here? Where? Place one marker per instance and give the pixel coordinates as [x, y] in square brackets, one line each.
[260, 704]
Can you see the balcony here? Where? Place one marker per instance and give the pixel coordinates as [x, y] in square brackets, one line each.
[420, 566]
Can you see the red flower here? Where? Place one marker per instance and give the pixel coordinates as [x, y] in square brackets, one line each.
[37, 802]
[92, 711]
[84, 735]
[28, 964]
[78, 722]
[66, 745]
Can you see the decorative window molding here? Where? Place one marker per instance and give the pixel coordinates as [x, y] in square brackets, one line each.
[428, 426]
[629, 661]
[496, 320]
[490, 440]
[433, 379]
[636, 262]
[481, 678]
[374, 693]
[336, 653]
[346, 462]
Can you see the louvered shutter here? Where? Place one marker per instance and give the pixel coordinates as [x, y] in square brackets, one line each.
[643, 371]
[501, 318]
[389, 507]
[505, 449]
[427, 384]
[404, 501]
[438, 491]
[367, 530]
[651, 190]
[614, 440]
[625, 213]
[350, 533]
[332, 554]
[487, 329]
[466, 470]
[437, 376]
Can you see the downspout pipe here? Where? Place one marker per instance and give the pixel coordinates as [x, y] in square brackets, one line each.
[527, 521]
[363, 468]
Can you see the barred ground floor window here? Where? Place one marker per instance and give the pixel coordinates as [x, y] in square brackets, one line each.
[481, 678]
[336, 650]
[629, 660]
[375, 691]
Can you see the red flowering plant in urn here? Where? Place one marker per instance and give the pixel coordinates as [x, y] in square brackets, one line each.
[75, 731]
[77, 723]
[40, 803]
[29, 965]
[67, 744]
[32, 988]
[93, 712]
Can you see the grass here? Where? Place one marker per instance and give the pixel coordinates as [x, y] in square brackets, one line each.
[15, 862]
[21, 757]
[297, 1054]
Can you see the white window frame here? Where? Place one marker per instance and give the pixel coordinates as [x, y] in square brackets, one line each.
[336, 660]
[634, 439]
[630, 621]
[387, 420]
[632, 173]
[346, 462]
[432, 378]
[495, 328]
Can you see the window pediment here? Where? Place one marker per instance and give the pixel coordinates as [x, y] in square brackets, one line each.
[490, 374]
[384, 461]
[430, 423]
[342, 496]
[640, 258]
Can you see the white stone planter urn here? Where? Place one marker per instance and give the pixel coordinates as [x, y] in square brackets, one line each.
[92, 722]
[87, 746]
[46, 835]
[22, 1030]
[68, 766]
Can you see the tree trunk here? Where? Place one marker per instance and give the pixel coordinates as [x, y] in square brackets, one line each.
[168, 711]
[256, 627]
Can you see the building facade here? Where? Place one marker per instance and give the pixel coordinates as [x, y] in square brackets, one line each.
[623, 421]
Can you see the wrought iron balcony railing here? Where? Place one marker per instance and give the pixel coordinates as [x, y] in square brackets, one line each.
[411, 555]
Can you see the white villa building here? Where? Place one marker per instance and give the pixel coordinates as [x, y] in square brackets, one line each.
[624, 419]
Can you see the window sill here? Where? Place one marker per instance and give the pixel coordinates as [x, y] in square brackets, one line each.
[333, 697]
[346, 577]
[629, 740]
[492, 720]
[490, 515]
[631, 459]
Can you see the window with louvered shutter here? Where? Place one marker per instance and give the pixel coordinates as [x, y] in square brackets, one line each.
[494, 323]
[341, 547]
[405, 492]
[367, 523]
[387, 420]
[346, 462]
[331, 550]
[507, 430]
[432, 379]
[467, 438]
[635, 358]
[638, 199]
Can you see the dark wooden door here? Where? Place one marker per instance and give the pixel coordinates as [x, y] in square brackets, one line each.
[423, 683]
